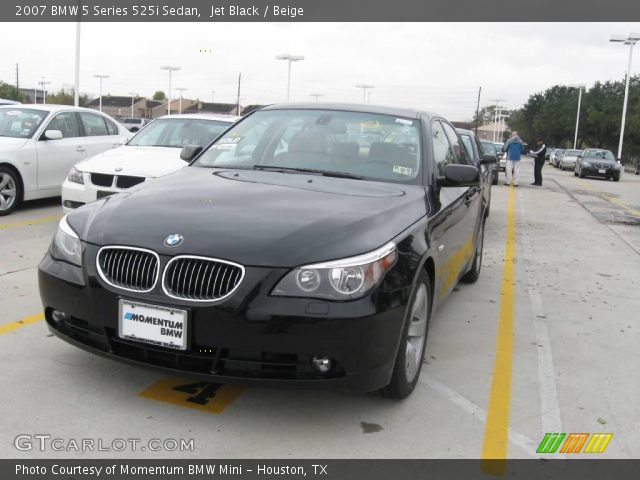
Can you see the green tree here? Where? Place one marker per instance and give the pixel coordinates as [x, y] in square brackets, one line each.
[9, 92]
[159, 95]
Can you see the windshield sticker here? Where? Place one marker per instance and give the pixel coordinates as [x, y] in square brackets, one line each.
[229, 140]
[225, 146]
[404, 121]
[400, 170]
[13, 112]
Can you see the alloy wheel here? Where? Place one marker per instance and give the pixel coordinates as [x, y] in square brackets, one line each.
[8, 191]
[417, 333]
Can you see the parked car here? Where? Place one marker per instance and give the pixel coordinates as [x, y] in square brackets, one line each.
[40, 143]
[595, 162]
[151, 153]
[554, 157]
[637, 169]
[292, 251]
[134, 124]
[486, 162]
[548, 152]
[502, 156]
[4, 101]
[490, 148]
[567, 161]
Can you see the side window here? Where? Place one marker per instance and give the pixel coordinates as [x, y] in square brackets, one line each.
[94, 125]
[111, 127]
[442, 152]
[467, 141]
[460, 152]
[67, 123]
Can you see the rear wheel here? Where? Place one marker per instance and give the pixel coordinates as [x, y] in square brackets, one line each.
[408, 365]
[10, 191]
[472, 275]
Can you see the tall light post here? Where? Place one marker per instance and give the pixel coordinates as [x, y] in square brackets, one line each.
[213, 96]
[579, 87]
[76, 93]
[316, 95]
[630, 40]
[101, 77]
[496, 111]
[501, 124]
[133, 97]
[364, 88]
[171, 69]
[289, 58]
[44, 84]
[180, 104]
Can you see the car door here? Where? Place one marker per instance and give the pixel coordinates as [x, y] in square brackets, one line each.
[56, 157]
[471, 204]
[100, 133]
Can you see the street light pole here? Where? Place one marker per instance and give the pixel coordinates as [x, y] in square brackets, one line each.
[575, 138]
[364, 88]
[180, 104]
[101, 77]
[316, 95]
[133, 96]
[630, 40]
[290, 58]
[76, 100]
[44, 91]
[213, 96]
[496, 111]
[171, 69]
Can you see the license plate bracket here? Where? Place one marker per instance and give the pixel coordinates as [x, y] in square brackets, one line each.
[153, 324]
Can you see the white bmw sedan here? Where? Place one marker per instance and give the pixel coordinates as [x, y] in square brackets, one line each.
[39, 143]
[153, 152]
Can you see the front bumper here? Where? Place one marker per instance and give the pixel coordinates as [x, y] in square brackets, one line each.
[75, 195]
[249, 338]
[608, 172]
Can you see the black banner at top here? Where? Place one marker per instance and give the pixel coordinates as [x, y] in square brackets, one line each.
[318, 10]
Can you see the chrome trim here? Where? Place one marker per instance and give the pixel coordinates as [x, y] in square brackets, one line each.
[208, 259]
[123, 247]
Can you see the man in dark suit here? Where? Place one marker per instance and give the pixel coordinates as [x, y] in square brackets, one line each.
[538, 154]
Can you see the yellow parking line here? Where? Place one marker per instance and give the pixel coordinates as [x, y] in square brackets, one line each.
[605, 196]
[35, 221]
[494, 444]
[9, 327]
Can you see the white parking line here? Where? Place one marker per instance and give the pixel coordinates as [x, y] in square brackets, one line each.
[549, 403]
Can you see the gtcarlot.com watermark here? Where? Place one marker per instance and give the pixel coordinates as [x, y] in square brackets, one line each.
[48, 443]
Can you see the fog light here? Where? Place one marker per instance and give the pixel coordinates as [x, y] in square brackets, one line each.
[322, 364]
[57, 316]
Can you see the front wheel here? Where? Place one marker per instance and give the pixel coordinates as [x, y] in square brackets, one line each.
[472, 275]
[10, 193]
[580, 174]
[408, 364]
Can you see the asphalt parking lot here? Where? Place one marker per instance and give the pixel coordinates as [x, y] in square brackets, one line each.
[573, 360]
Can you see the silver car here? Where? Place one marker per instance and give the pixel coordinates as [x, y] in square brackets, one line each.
[567, 160]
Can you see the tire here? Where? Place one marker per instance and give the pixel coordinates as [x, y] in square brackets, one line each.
[10, 190]
[494, 181]
[580, 174]
[405, 375]
[616, 179]
[575, 173]
[472, 275]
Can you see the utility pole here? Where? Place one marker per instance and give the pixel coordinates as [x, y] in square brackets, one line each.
[238, 104]
[478, 109]
[180, 103]
[17, 81]
[44, 84]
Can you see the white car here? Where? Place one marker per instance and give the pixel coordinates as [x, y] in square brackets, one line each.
[39, 143]
[153, 152]
[568, 159]
[134, 124]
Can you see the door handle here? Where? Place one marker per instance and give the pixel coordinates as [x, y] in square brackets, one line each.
[467, 198]
[81, 149]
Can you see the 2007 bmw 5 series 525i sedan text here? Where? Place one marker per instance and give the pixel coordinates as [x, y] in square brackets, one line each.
[309, 245]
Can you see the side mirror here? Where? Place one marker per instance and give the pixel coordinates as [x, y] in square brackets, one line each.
[189, 152]
[460, 176]
[53, 135]
[488, 158]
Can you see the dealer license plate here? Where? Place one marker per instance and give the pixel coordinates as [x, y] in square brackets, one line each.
[152, 324]
[602, 170]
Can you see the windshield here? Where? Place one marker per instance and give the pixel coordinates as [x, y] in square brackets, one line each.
[177, 132]
[132, 120]
[20, 122]
[572, 153]
[599, 154]
[466, 140]
[489, 147]
[373, 146]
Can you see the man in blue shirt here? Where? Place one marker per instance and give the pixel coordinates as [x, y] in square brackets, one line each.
[513, 147]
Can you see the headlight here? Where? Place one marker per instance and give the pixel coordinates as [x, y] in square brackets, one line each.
[75, 176]
[616, 166]
[585, 164]
[66, 244]
[344, 279]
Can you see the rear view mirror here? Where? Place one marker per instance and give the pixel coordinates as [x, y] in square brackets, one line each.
[488, 158]
[53, 135]
[189, 152]
[460, 176]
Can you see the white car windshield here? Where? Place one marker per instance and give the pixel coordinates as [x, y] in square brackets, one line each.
[178, 132]
[20, 122]
[367, 145]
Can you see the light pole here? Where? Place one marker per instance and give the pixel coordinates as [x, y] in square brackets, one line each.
[76, 93]
[364, 88]
[180, 104]
[579, 87]
[133, 96]
[213, 96]
[500, 136]
[101, 77]
[290, 58]
[496, 111]
[630, 40]
[44, 91]
[171, 69]
[316, 95]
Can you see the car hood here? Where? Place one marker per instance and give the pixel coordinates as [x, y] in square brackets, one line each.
[11, 143]
[135, 161]
[254, 218]
[599, 161]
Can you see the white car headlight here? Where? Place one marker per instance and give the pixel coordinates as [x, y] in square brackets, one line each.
[75, 176]
[66, 244]
[344, 279]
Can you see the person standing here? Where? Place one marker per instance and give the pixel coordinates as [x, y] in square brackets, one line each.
[513, 147]
[539, 162]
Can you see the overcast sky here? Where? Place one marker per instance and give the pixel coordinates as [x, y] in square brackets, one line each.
[433, 66]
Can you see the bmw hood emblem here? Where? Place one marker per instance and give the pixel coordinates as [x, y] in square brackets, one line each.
[173, 240]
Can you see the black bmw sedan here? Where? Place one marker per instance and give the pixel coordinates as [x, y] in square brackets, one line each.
[310, 245]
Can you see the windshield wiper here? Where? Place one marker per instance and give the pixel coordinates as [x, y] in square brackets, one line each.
[325, 173]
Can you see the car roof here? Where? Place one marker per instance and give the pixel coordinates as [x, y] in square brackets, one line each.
[50, 107]
[352, 107]
[201, 116]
